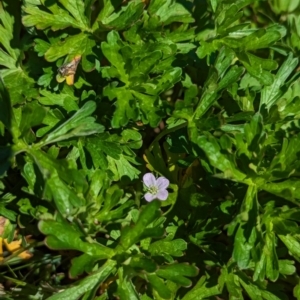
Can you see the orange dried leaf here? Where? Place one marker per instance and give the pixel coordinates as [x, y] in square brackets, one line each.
[1, 249]
[2, 225]
[13, 246]
[25, 255]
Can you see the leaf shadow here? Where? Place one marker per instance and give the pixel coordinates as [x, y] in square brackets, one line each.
[6, 138]
[14, 9]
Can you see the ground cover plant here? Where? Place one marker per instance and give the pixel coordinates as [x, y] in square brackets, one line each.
[149, 149]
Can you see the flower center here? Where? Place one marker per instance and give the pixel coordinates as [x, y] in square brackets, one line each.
[153, 190]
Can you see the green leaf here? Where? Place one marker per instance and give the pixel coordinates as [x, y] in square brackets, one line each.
[214, 4]
[146, 64]
[41, 46]
[32, 115]
[258, 67]
[10, 56]
[124, 18]
[111, 49]
[48, 165]
[159, 285]
[271, 94]
[16, 79]
[115, 214]
[64, 100]
[81, 264]
[230, 77]
[258, 39]
[206, 101]
[177, 273]
[76, 9]
[5, 111]
[52, 118]
[257, 291]
[87, 283]
[79, 44]
[80, 124]
[173, 248]
[284, 7]
[288, 189]
[142, 263]
[292, 244]
[223, 162]
[286, 162]
[126, 108]
[233, 287]
[219, 78]
[146, 103]
[168, 79]
[19, 85]
[130, 236]
[64, 197]
[63, 235]
[95, 145]
[132, 139]
[202, 290]
[228, 12]
[7, 213]
[122, 168]
[170, 11]
[126, 289]
[252, 290]
[246, 234]
[286, 267]
[272, 267]
[296, 291]
[6, 60]
[59, 18]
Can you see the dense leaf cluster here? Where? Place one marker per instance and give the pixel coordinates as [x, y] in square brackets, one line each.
[204, 93]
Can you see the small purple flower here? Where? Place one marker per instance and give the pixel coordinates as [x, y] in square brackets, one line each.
[156, 188]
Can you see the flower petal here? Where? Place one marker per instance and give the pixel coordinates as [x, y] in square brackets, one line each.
[149, 180]
[149, 197]
[162, 195]
[162, 183]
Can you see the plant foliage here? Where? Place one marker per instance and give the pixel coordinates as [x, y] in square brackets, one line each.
[203, 93]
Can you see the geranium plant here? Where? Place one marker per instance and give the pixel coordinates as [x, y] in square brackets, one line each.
[149, 149]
